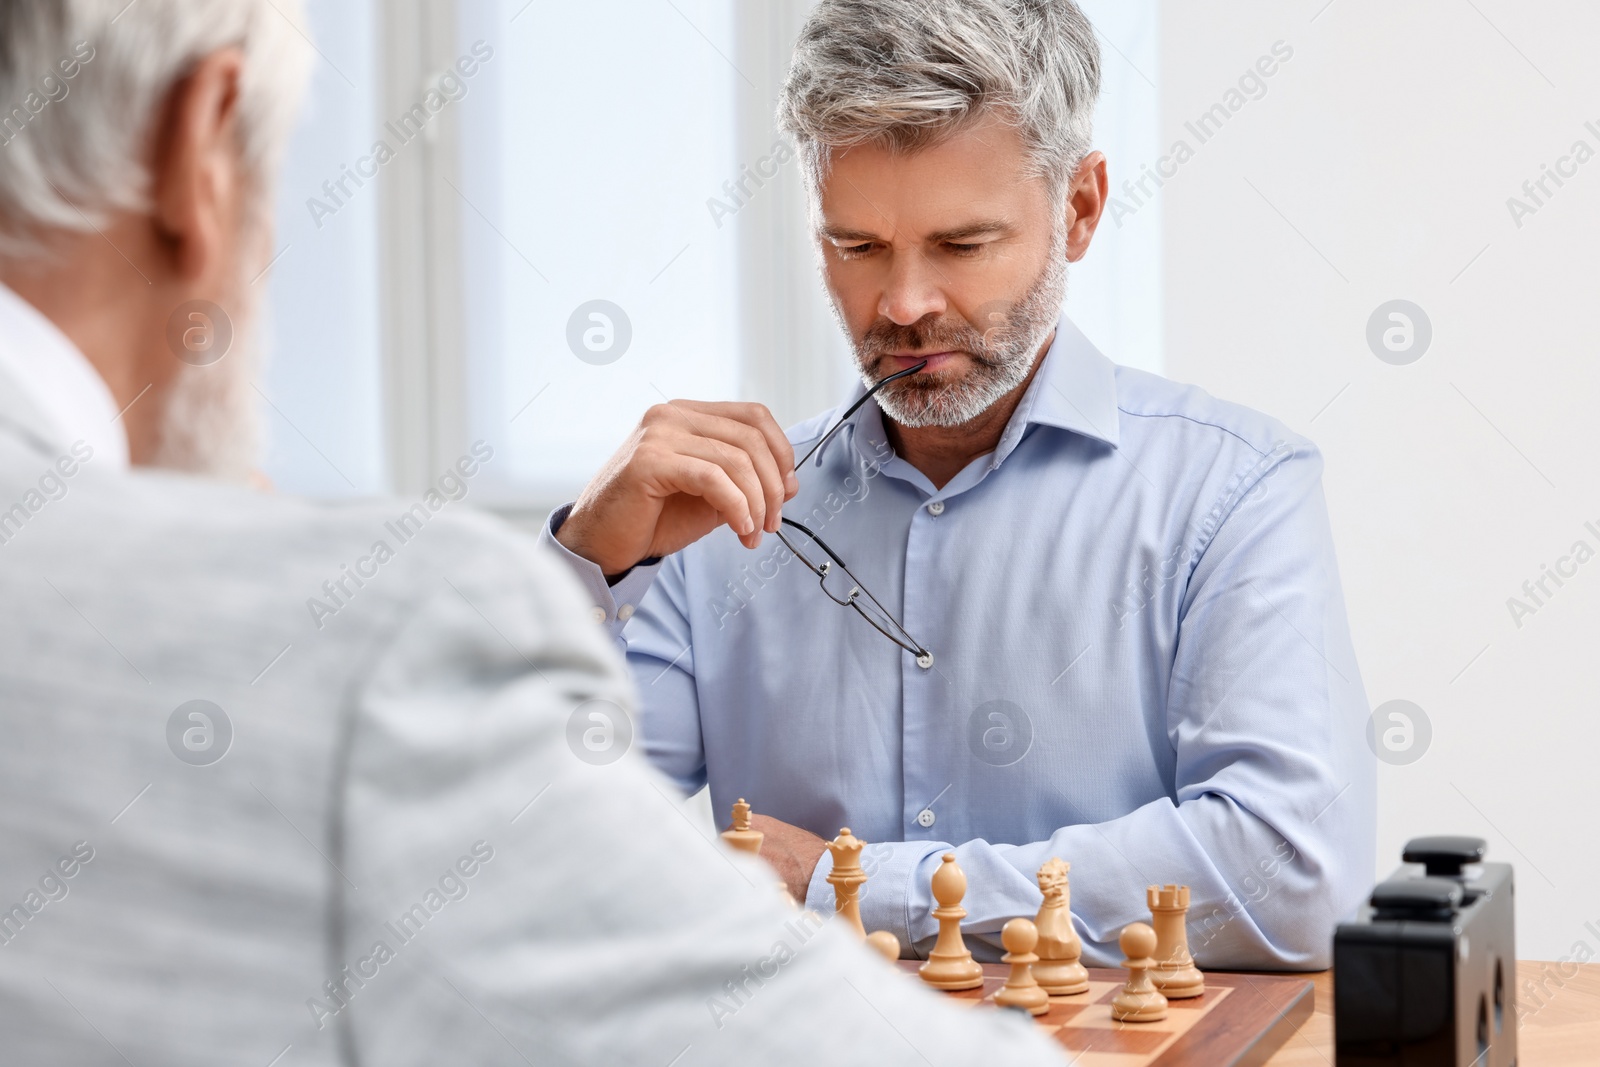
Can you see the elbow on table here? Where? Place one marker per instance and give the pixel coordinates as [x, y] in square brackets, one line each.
[1281, 917]
[1288, 930]
[1299, 910]
[1298, 930]
[1317, 877]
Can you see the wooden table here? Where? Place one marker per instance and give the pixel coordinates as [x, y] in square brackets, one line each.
[1559, 1029]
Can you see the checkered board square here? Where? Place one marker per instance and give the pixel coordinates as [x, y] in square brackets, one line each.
[1239, 1021]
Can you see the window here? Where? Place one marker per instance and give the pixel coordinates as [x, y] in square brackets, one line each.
[595, 281]
[323, 407]
[1115, 293]
[583, 214]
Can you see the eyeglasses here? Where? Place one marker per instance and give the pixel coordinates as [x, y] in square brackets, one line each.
[833, 574]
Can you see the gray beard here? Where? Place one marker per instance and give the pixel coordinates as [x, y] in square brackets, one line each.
[1002, 353]
[210, 424]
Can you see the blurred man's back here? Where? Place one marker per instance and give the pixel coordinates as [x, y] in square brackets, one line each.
[382, 839]
[216, 864]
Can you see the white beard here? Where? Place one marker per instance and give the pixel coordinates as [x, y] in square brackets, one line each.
[1002, 353]
[210, 424]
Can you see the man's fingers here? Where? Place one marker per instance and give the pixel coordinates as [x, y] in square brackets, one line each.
[761, 419]
[719, 456]
[754, 444]
[737, 464]
[758, 418]
[710, 482]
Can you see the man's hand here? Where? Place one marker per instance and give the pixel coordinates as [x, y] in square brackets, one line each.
[793, 853]
[689, 467]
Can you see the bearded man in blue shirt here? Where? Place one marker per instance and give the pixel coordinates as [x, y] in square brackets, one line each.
[1022, 602]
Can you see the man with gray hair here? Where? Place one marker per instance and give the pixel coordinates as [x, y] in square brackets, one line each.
[406, 834]
[1067, 609]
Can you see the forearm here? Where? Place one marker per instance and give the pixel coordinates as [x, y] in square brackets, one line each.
[1259, 897]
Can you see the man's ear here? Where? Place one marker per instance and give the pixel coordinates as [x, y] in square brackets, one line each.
[195, 165]
[1086, 202]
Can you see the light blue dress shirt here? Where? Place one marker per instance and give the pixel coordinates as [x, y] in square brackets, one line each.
[1141, 664]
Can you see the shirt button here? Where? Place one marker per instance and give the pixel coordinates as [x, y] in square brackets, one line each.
[925, 660]
[599, 614]
[625, 613]
[936, 507]
[925, 818]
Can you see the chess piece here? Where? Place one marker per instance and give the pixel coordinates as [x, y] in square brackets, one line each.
[847, 878]
[1058, 971]
[886, 944]
[1021, 990]
[1175, 974]
[1139, 1001]
[950, 966]
[739, 835]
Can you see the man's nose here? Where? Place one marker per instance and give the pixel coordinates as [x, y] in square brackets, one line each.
[912, 291]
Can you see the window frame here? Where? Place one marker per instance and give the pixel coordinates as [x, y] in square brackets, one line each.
[791, 357]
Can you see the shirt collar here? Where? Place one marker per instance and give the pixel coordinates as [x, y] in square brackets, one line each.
[57, 394]
[1074, 390]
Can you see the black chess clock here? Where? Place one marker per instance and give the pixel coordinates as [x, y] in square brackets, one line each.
[1424, 977]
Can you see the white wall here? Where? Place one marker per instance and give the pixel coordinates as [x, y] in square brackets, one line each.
[1377, 166]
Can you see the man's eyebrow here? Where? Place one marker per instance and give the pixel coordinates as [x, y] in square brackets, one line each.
[974, 229]
[967, 230]
[840, 233]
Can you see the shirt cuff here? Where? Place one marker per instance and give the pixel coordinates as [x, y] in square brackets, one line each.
[894, 869]
[614, 604]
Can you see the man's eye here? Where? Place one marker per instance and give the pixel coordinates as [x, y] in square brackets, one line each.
[854, 251]
[964, 249]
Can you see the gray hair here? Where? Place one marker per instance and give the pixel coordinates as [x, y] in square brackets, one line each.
[82, 88]
[906, 73]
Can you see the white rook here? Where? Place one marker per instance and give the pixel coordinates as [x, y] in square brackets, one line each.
[1174, 973]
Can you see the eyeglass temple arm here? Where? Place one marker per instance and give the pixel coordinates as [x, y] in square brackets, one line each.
[911, 644]
[857, 407]
[918, 650]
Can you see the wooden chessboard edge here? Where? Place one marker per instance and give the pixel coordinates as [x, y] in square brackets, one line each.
[1276, 1006]
[1289, 1022]
[1285, 1001]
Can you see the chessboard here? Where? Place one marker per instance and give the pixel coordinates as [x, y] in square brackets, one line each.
[1239, 1021]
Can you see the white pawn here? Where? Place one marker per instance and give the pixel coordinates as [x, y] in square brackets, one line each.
[1139, 1001]
[885, 943]
[1021, 990]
